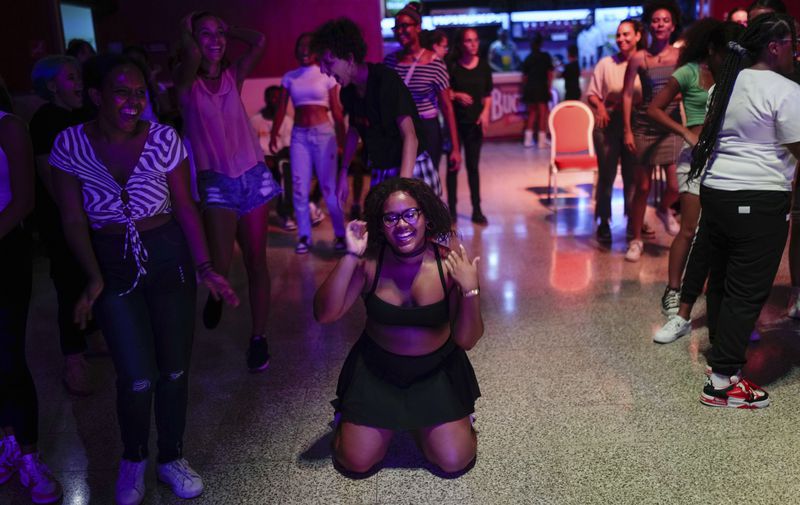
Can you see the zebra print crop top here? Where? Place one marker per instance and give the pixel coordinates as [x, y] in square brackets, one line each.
[146, 192]
[105, 201]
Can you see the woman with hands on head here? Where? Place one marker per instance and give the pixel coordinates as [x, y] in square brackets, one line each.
[409, 370]
[122, 185]
[233, 180]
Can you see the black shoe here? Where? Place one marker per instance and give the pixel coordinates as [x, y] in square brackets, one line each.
[212, 312]
[258, 354]
[479, 218]
[355, 212]
[604, 233]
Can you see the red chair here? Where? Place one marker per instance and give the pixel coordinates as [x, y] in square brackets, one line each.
[571, 147]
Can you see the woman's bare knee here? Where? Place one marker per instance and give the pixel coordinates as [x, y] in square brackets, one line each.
[454, 459]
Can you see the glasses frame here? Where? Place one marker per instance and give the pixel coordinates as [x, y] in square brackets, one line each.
[396, 217]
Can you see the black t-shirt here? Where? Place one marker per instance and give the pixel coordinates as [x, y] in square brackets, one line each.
[48, 121]
[535, 67]
[572, 85]
[477, 83]
[375, 115]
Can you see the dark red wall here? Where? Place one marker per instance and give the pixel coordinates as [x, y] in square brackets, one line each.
[29, 31]
[30, 28]
[156, 21]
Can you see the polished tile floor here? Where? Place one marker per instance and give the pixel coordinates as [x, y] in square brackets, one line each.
[578, 406]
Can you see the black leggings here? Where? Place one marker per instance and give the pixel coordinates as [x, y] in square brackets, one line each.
[19, 407]
[471, 137]
[149, 333]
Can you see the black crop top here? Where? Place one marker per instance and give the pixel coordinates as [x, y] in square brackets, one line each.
[432, 315]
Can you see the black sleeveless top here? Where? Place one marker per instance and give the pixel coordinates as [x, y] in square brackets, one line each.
[433, 315]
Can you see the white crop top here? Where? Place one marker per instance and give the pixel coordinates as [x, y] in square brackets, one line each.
[308, 86]
[145, 193]
[5, 179]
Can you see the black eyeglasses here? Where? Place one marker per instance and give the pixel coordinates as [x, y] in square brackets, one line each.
[403, 26]
[410, 216]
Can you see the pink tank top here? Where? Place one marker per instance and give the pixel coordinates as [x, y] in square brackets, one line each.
[218, 128]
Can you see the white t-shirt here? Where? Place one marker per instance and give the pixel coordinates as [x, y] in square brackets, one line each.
[608, 80]
[308, 86]
[263, 128]
[5, 179]
[762, 116]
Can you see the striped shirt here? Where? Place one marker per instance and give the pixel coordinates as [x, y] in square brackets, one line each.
[105, 201]
[426, 82]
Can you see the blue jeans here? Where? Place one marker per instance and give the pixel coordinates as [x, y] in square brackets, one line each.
[314, 148]
[149, 333]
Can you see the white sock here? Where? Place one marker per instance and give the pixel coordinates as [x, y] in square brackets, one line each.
[720, 381]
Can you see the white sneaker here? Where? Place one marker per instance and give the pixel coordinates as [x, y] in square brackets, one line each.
[130, 482]
[184, 481]
[634, 251]
[670, 223]
[34, 475]
[317, 216]
[528, 139]
[670, 302]
[675, 328]
[541, 141]
[794, 304]
[10, 458]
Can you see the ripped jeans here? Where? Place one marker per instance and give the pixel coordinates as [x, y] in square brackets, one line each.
[149, 333]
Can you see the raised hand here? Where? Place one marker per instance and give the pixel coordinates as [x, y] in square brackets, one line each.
[463, 270]
[355, 237]
[219, 287]
[83, 307]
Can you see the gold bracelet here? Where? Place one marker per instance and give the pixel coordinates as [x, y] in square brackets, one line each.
[471, 293]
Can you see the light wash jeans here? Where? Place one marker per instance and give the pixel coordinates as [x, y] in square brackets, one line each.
[314, 148]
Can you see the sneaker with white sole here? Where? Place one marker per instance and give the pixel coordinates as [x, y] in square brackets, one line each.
[303, 246]
[130, 482]
[670, 302]
[634, 252]
[740, 394]
[673, 329]
[184, 481]
[10, 458]
[670, 223]
[34, 475]
[317, 216]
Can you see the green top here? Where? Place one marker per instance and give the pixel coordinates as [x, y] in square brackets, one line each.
[694, 96]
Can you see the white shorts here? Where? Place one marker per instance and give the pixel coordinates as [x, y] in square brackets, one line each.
[682, 169]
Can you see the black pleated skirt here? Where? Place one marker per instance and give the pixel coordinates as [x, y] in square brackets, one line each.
[385, 390]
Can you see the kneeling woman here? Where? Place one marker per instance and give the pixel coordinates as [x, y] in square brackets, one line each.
[128, 180]
[409, 369]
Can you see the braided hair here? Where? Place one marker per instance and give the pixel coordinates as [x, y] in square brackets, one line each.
[761, 31]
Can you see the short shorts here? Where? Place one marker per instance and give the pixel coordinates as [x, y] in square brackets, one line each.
[684, 165]
[242, 194]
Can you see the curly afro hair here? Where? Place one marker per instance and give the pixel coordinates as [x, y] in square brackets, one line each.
[439, 227]
[342, 37]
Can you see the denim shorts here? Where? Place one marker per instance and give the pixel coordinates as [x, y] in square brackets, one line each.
[242, 194]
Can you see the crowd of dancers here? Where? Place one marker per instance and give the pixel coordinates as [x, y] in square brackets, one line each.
[133, 213]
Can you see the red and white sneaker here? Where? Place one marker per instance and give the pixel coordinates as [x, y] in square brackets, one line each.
[741, 394]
